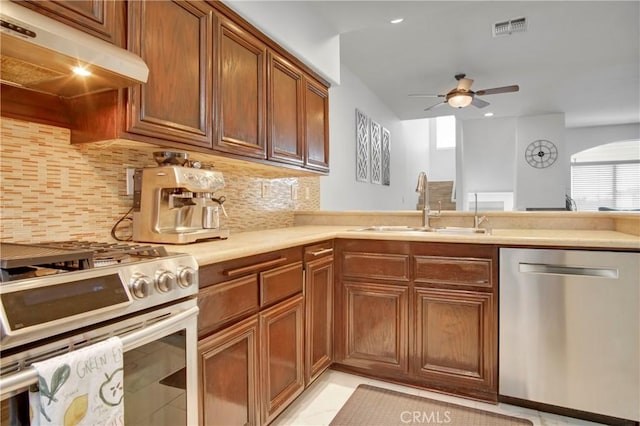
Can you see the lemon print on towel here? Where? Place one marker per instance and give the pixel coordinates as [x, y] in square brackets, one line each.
[76, 410]
[111, 390]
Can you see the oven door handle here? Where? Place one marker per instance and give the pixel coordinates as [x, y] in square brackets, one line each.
[29, 376]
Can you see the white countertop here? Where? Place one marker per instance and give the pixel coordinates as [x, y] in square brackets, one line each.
[250, 243]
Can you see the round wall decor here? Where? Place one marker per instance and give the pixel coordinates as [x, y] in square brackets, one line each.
[541, 153]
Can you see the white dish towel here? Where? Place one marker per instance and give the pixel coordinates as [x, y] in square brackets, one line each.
[82, 387]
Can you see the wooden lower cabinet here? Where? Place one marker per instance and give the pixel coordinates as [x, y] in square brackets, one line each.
[454, 340]
[318, 317]
[419, 313]
[281, 358]
[375, 318]
[253, 370]
[229, 376]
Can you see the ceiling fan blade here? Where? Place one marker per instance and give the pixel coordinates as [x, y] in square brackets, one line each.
[435, 105]
[464, 84]
[496, 90]
[421, 95]
[479, 103]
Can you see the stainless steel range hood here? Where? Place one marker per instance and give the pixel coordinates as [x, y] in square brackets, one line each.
[39, 53]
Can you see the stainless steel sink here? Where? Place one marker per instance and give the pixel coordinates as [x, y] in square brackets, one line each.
[405, 229]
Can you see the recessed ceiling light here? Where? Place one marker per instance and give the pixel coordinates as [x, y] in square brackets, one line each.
[81, 71]
[397, 20]
[488, 114]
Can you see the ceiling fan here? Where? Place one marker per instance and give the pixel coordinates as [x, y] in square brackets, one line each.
[463, 96]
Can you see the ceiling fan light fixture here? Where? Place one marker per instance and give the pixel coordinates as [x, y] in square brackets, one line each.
[460, 100]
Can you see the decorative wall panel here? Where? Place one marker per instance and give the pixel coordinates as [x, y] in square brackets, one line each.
[376, 153]
[386, 157]
[362, 147]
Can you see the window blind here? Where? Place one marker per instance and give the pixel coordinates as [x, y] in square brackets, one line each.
[614, 184]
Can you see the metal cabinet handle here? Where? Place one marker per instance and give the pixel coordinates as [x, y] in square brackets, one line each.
[541, 268]
[321, 252]
[253, 268]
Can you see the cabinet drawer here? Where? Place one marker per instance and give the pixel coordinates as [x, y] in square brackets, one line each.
[455, 271]
[375, 266]
[245, 266]
[280, 283]
[317, 251]
[223, 303]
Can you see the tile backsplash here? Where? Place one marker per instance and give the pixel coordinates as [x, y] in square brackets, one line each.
[53, 190]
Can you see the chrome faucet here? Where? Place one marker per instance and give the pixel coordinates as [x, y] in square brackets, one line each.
[423, 199]
[477, 220]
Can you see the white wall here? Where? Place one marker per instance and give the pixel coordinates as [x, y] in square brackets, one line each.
[442, 162]
[409, 142]
[540, 187]
[581, 138]
[416, 151]
[303, 34]
[487, 148]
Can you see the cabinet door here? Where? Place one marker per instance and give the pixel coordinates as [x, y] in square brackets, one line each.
[229, 376]
[455, 341]
[318, 317]
[240, 92]
[316, 122]
[282, 363]
[375, 322]
[100, 18]
[285, 138]
[174, 39]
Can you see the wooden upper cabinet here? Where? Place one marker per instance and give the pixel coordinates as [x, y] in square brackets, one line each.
[175, 40]
[316, 119]
[101, 18]
[240, 93]
[285, 133]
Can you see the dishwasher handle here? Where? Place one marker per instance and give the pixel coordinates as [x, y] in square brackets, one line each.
[543, 268]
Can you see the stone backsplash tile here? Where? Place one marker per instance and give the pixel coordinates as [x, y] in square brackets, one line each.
[52, 190]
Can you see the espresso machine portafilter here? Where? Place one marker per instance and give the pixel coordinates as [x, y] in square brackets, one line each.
[175, 204]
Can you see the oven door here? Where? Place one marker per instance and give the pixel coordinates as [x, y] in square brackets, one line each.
[160, 368]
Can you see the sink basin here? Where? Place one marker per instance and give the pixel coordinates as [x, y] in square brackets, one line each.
[460, 230]
[443, 230]
[391, 229]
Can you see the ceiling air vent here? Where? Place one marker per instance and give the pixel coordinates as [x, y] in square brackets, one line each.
[503, 28]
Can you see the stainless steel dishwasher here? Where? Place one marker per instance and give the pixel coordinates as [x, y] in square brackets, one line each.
[570, 329]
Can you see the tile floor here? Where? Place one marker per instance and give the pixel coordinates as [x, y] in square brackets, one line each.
[322, 400]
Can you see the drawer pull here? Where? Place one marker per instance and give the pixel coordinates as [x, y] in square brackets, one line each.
[253, 268]
[321, 252]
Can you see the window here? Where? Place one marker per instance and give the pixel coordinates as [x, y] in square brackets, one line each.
[607, 177]
[446, 132]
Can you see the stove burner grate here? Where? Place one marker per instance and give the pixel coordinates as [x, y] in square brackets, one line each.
[112, 253]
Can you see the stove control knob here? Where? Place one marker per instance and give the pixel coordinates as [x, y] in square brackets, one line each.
[187, 276]
[140, 286]
[165, 281]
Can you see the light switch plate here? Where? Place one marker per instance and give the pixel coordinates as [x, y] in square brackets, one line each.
[266, 190]
[130, 172]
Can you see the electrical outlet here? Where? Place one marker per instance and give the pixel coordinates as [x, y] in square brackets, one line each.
[130, 172]
[294, 192]
[307, 194]
[266, 190]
